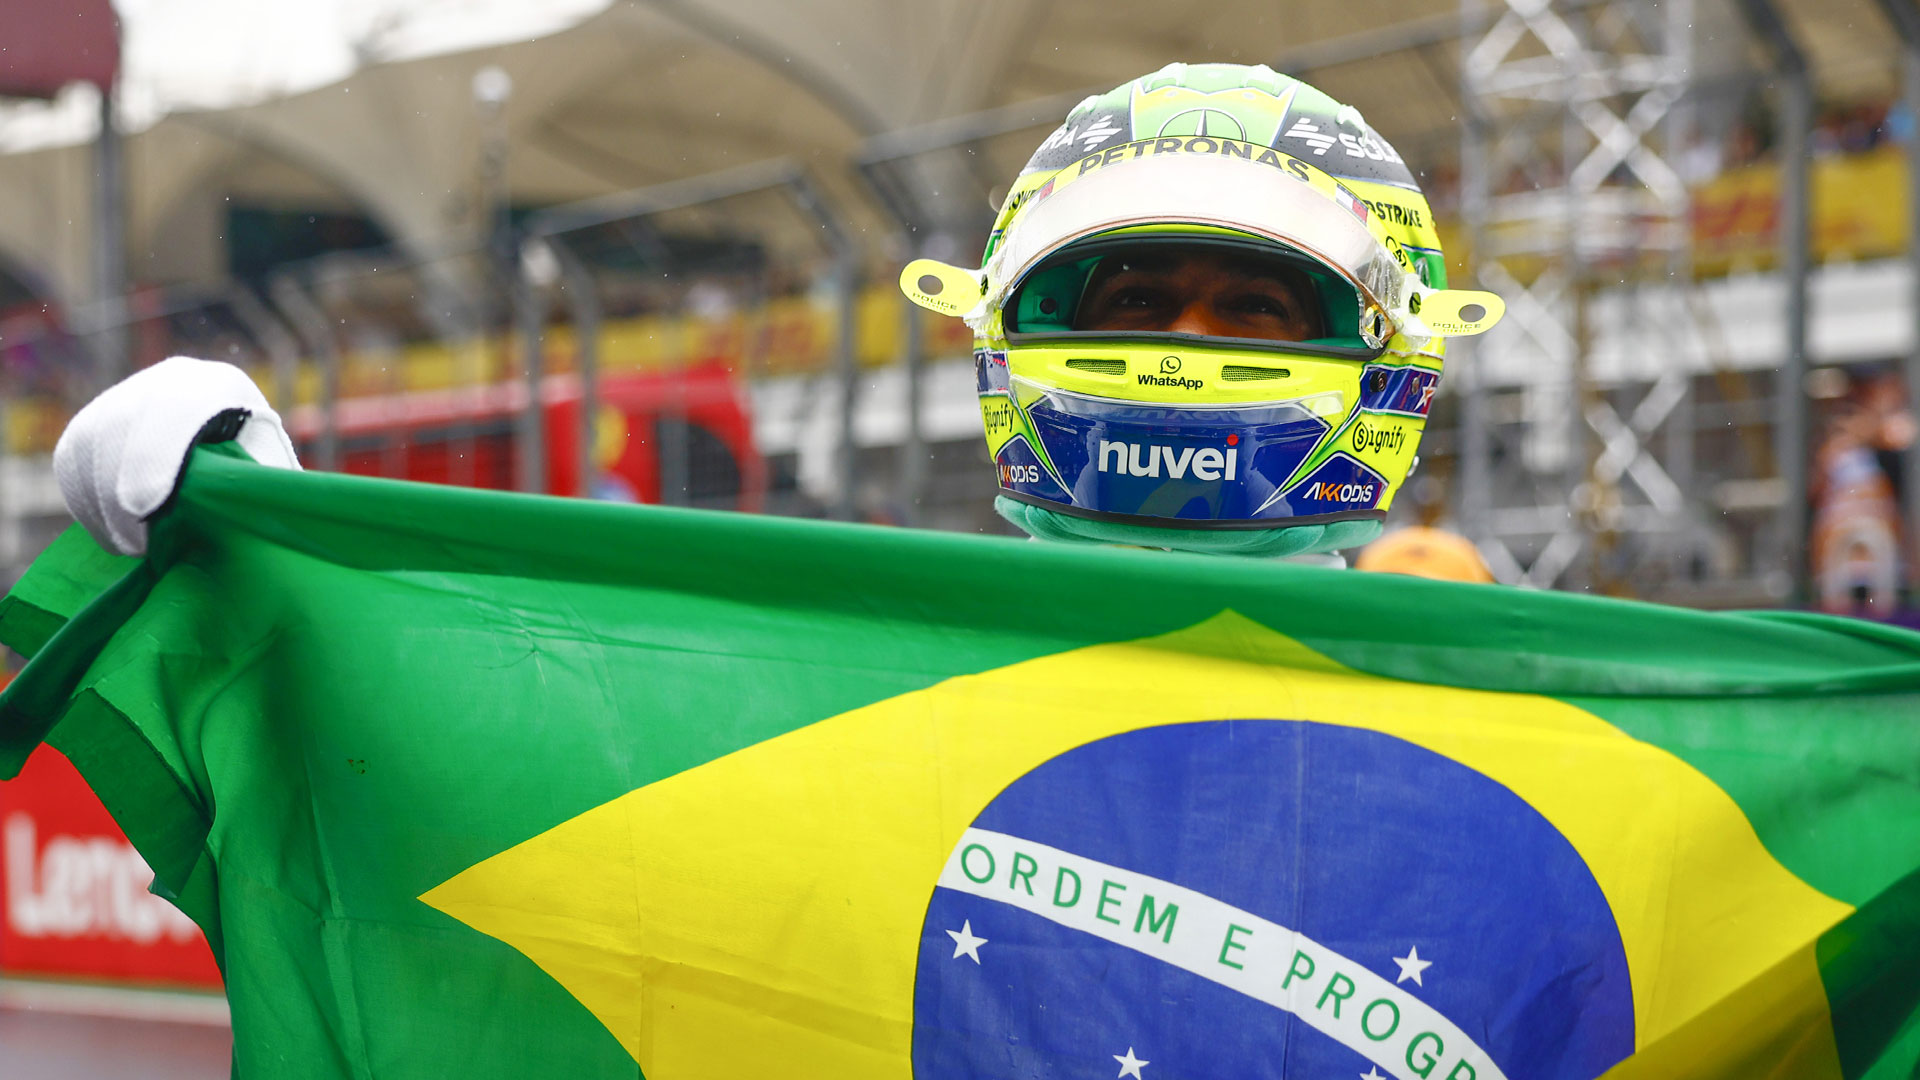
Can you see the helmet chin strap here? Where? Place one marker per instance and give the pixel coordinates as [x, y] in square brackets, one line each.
[1287, 540]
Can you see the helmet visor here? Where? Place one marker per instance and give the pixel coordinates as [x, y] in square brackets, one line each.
[1288, 203]
[1247, 291]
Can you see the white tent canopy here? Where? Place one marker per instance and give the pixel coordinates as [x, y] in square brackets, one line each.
[608, 98]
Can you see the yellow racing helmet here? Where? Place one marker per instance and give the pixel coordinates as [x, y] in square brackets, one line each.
[1423, 551]
[1190, 441]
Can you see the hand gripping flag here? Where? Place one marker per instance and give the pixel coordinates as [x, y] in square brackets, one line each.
[467, 784]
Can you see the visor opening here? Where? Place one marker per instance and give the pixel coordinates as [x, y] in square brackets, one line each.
[1050, 298]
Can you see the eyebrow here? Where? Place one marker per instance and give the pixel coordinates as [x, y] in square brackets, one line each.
[1148, 264]
[1277, 273]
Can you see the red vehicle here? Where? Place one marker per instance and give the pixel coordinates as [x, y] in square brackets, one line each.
[645, 423]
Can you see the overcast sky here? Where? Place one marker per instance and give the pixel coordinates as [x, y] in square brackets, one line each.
[180, 54]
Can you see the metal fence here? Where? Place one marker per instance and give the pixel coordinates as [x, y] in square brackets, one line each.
[718, 342]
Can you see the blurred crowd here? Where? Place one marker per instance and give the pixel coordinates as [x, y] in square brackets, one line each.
[1842, 127]
[1862, 555]
[1853, 127]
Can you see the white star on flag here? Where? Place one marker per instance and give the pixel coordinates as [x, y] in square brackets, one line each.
[1130, 1065]
[1410, 966]
[1371, 1074]
[965, 943]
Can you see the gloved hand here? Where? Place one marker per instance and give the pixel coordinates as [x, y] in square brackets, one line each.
[121, 457]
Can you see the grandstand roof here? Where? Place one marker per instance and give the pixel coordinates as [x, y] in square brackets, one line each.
[613, 97]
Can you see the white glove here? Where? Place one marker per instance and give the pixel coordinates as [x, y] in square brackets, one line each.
[121, 457]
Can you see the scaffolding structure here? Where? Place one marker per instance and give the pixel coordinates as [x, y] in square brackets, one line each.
[1574, 470]
[1572, 117]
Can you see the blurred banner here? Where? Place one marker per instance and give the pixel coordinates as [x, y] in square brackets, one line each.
[1859, 212]
[76, 899]
[51, 45]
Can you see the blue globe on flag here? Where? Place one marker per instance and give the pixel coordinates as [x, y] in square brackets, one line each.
[1266, 899]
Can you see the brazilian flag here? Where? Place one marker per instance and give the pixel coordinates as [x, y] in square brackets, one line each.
[464, 784]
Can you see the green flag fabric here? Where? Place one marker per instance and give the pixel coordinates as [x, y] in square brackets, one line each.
[481, 785]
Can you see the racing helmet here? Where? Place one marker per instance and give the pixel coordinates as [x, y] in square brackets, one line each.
[1190, 441]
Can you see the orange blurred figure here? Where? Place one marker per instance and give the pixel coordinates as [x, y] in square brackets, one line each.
[1425, 552]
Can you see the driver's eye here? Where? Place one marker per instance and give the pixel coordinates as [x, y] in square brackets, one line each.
[1135, 297]
[1263, 304]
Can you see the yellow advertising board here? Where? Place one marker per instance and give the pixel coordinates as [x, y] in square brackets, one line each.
[1859, 211]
